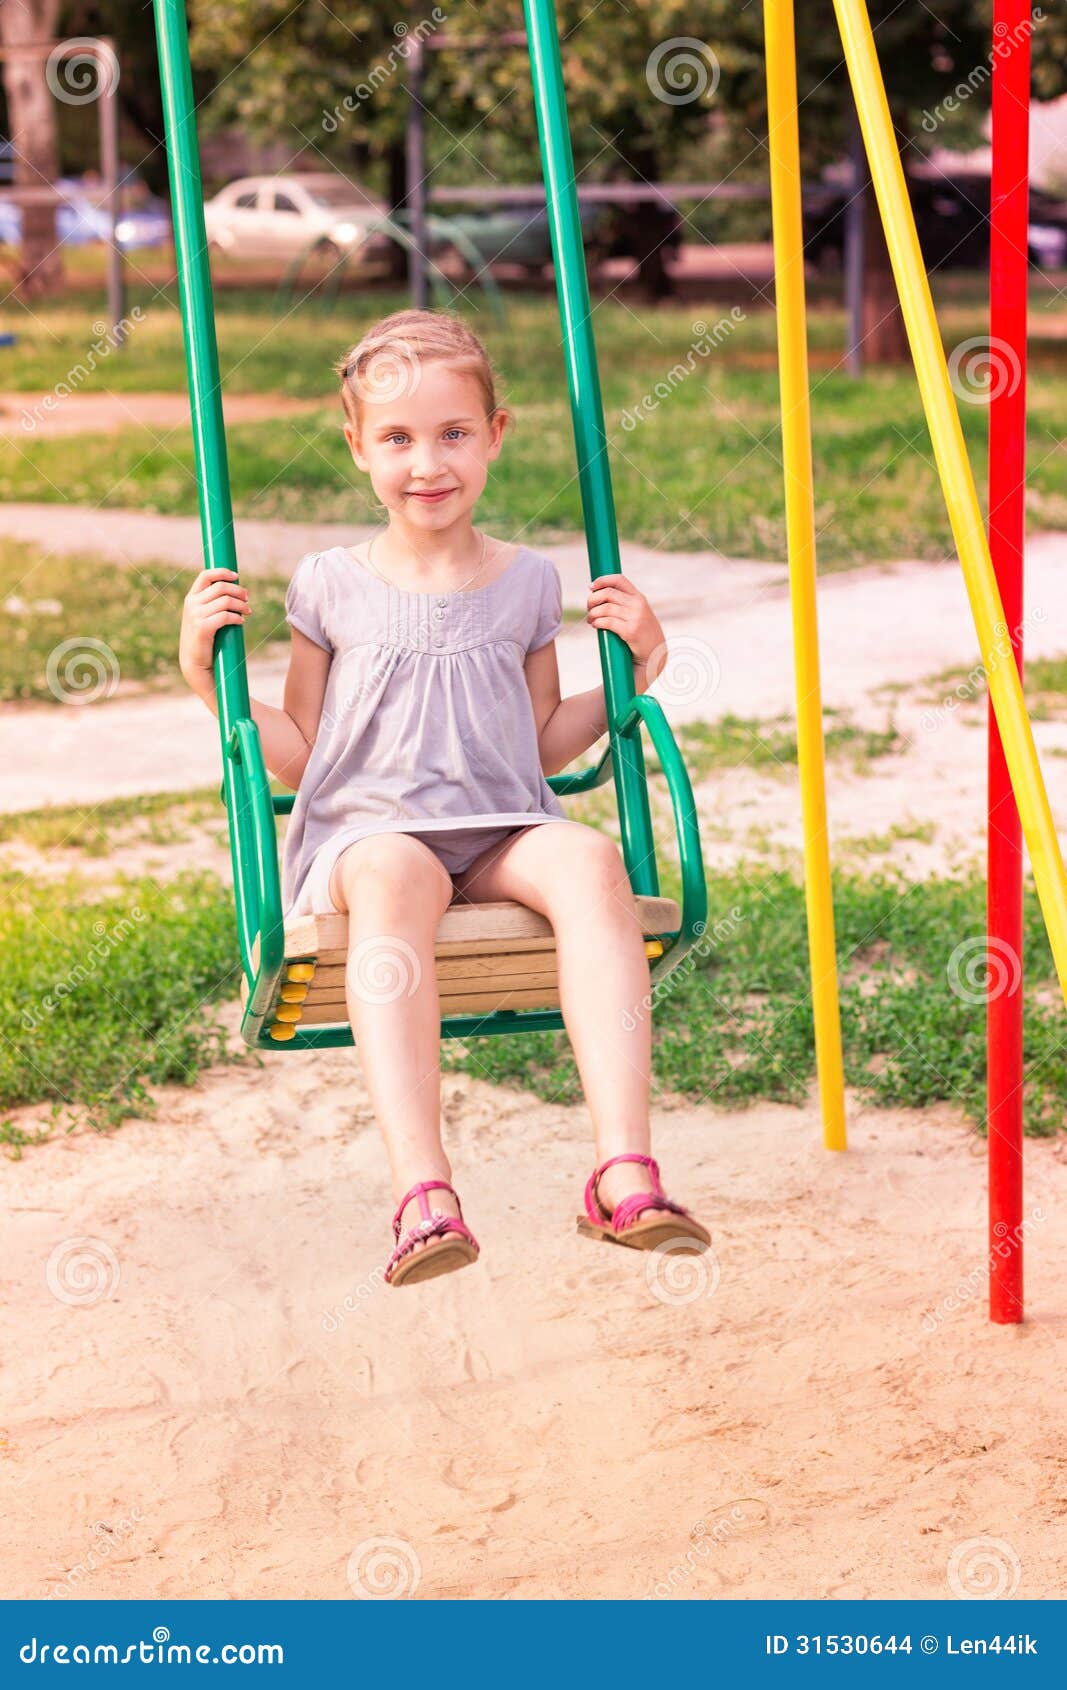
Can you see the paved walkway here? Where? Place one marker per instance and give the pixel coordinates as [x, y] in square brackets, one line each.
[727, 622]
[48, 412]
[271, 548]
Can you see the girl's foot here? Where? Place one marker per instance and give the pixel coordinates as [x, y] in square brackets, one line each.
[429, 1241]
[614, 1211]
[410, 1216]
[625, 1179]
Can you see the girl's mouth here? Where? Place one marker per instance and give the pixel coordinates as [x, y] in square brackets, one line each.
[433, 497]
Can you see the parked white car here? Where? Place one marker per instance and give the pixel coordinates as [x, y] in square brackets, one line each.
[281, 216]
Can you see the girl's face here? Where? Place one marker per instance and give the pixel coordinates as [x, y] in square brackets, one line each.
[428, 452]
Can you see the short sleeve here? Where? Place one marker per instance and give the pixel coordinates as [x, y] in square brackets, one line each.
[303, 601]
[550, 612]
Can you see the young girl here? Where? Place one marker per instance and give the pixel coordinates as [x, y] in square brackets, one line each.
[422, 711]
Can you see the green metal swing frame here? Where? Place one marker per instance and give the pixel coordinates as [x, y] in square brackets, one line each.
[251, 806]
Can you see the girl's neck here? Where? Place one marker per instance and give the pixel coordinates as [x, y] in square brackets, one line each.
[415, 555]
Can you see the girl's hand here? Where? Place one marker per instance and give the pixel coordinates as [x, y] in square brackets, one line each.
[213, 600]
[615, 603]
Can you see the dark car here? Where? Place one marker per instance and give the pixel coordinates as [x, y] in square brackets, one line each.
[643, 227]
[951, 218]
[517, 232]
[514, 232]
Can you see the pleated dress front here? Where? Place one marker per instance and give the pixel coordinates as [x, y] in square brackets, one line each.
[427, 724]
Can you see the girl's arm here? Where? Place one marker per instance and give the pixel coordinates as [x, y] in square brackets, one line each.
[287, 735]
[568, 726]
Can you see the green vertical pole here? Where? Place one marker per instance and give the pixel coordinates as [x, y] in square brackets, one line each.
[209, 440]
[587, 413]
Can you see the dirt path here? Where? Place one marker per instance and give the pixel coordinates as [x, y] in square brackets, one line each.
[729, 628]
[268, 548]
[42, 414]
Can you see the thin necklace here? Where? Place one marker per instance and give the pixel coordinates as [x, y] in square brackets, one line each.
[385, 578]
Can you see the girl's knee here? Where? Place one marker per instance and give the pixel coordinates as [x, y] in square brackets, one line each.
[391, 865]
[586, 857]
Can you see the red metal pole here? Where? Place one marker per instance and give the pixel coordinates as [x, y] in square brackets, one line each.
[1008, 279]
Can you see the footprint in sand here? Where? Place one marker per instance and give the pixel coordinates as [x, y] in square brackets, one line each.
[494, 1480]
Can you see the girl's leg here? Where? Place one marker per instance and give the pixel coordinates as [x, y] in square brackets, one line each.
[395, 891]
[576, 876]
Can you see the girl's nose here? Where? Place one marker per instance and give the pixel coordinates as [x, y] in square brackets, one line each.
[425, 466]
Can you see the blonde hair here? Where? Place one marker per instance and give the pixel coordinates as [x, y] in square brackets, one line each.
[386, 363]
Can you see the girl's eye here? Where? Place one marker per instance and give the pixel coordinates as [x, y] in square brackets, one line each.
[456, 432]
[390, 438]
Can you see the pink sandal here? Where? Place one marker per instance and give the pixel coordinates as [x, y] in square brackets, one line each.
[621, 1226]
[458, 1244]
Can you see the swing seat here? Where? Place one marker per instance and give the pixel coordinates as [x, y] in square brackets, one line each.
[495, 962]
[489, 957]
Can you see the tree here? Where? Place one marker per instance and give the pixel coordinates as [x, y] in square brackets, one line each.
[927, 56]
[333, 79]
[34, 112]
[643, 80]
[32, 121]
[324, 80]
[132, 28]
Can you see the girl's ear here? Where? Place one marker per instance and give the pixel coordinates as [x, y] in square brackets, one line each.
[352, 436]
[497, 424]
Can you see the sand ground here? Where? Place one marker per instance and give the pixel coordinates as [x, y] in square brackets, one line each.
[209, 1391]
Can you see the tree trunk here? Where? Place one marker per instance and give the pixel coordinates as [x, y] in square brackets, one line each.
[396, 194]
[649, 224]
[885, 339]
[656, 225]
[32, 119]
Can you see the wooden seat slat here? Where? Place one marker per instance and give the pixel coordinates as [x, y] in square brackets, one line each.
[488, 957]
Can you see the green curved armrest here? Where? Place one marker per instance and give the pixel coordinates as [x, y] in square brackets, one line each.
[649, 710]
[585, 779]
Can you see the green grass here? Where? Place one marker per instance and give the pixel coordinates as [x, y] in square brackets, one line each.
[702, 469]
[877, 844]
[1044, 685]
[734, 1024]
[122, 623]
[94, 1020]
[1046, 674]
[106, 995]
[736, 740]
[155, 818]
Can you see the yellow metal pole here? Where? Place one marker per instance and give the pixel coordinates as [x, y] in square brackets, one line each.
[957, 482]
[791, 313]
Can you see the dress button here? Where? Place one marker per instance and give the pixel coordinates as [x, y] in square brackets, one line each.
[439, 639]
[442, 603]
[438, 614]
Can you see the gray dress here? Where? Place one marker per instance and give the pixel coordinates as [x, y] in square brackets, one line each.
[427, 725]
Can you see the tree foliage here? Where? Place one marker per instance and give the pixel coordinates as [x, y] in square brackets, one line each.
[296, 70]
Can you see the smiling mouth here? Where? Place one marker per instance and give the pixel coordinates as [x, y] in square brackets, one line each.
[437, 493]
